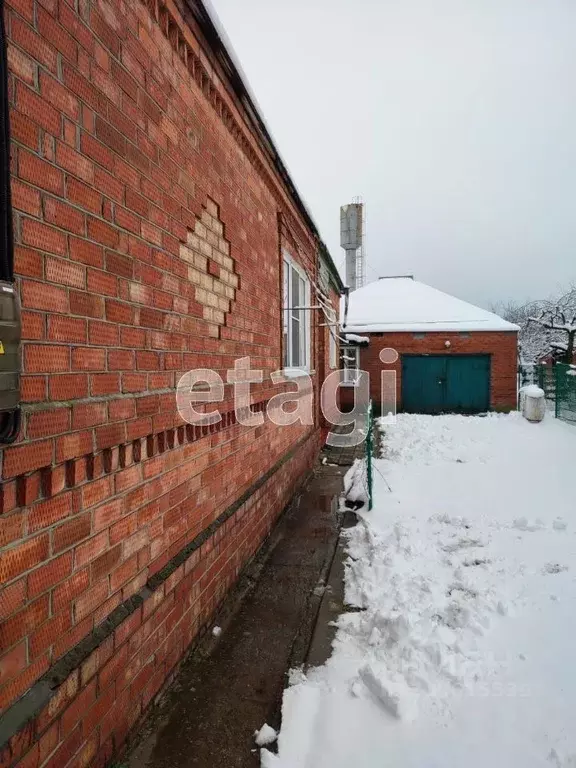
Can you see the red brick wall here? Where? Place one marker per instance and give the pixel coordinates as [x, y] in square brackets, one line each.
[101, 700]
[149, 224]
[502, 347]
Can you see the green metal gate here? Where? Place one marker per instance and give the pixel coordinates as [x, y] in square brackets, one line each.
[445, 383]
[559, 385]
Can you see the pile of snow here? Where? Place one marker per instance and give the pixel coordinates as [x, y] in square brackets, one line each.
[265, 736]
[462, 652]
[395, 304]
[356, 482]
[355, 339]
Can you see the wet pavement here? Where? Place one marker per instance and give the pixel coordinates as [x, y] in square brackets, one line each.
[231, 685]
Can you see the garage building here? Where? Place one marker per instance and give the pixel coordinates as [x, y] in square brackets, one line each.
[451, 356]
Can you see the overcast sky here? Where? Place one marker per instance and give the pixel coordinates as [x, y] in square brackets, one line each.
[455, 120]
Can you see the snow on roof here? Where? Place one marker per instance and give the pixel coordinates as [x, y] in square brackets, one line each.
[396, 304]
[354, 339]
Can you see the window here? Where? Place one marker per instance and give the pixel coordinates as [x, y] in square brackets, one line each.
[332, 331]
[351, 359]
[296, 320]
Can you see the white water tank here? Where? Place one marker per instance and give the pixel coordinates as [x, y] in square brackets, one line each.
[532, 403]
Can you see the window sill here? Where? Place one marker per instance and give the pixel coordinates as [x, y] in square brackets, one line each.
[295, 373]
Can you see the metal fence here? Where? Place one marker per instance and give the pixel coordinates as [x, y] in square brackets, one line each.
[369, 445]
[559, 385]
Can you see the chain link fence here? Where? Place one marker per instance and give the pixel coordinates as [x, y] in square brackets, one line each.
[559, 385]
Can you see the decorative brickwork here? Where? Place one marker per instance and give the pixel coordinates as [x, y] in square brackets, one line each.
[212, 269]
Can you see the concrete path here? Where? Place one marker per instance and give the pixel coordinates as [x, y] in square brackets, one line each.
[232, 685]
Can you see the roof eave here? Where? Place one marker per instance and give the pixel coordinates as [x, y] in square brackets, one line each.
[215, 34]
[359, 328]
[334, 274]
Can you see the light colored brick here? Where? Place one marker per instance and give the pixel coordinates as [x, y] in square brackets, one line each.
[187, 254]
[212, 208]
[200, 230]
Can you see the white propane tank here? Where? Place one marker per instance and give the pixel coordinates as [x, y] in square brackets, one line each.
[532, 403]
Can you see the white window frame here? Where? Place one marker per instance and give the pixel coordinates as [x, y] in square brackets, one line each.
[351, 368]
[290, 266]
[332, 329]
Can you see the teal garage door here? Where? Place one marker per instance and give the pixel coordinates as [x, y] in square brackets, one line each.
[445, 383]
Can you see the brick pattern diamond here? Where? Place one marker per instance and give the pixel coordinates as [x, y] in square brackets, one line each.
[212, 269]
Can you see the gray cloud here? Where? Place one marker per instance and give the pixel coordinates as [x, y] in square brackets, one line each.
[454, 119]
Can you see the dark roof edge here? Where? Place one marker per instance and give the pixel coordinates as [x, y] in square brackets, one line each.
[215, 34]
[334, 274]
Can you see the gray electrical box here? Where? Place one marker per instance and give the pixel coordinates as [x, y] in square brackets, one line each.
[10, 335]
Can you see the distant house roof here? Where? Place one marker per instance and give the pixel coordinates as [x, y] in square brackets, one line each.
[395, 304]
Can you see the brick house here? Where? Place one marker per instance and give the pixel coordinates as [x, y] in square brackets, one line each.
[449, 356]
[156, 230]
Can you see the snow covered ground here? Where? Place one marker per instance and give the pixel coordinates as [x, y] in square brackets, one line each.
[464, 652]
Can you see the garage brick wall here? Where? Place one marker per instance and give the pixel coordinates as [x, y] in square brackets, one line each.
[502, 347]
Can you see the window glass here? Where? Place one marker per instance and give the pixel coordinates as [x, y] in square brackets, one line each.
[296, 328]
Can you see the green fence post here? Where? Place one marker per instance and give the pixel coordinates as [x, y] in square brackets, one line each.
[369, 476]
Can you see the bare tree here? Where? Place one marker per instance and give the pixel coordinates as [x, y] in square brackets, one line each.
[558, 319]
[547, 327]
[533, 343]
